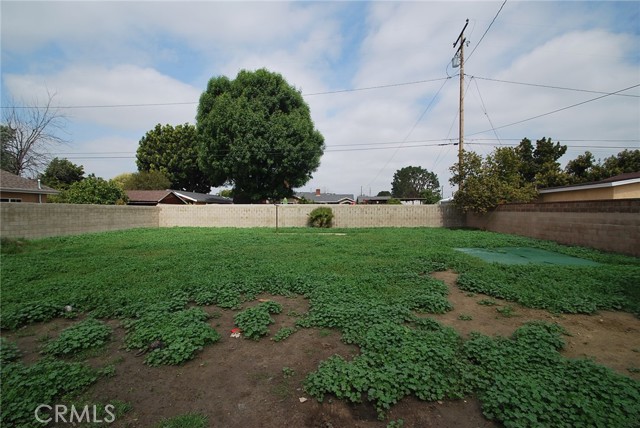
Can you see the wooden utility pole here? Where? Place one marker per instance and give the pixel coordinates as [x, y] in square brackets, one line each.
[460, 55]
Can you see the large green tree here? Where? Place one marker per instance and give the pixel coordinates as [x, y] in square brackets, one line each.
[62, 173]
[256, 134]
[540, 164]
[486, 183]
[416, 182]
[585, 168]
[174, 152]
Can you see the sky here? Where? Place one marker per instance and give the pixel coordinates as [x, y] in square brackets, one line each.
[377, 76]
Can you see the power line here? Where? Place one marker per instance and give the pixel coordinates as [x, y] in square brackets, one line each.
[554, 87]
[391, 85]
[405, 145]
[411, 130]
[558, 110]
[487, 30]
[168, 104]
[484, 109]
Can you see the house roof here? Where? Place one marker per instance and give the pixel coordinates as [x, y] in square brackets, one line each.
[201, 197]
[13, 183]
[156, 196]
[325, 198]
[618, 180]
[141, 196]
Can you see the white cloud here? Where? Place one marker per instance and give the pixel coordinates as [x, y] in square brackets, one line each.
[159, 52]
[121, 85]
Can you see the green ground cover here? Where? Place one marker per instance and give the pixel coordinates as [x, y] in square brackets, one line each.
[371, 284]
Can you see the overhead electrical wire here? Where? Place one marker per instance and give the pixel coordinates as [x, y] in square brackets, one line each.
[536, 85]
[484, 110]
[411, 130]
[556, 111]
[485, 32]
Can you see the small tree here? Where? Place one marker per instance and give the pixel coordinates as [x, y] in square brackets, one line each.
[174, 152]
[62, 173]
[491, 182]
[94, 190]
[416, 182]
[28, 134]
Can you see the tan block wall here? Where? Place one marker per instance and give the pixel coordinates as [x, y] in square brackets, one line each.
[347, 216]
[42, 220]
[604, 225]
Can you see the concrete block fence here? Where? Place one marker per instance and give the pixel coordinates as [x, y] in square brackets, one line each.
[23, 220]
[612, 225]
[605, 225]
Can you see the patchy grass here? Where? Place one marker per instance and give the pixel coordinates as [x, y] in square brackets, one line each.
[370, 285]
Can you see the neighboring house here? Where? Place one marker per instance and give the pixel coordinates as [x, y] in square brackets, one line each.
[175, 197]
[362, 199]
[318, 197]
[623, 186]
[14, 188]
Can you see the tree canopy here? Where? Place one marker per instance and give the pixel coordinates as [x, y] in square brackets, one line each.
[256, 133]
[416, 182]
[62, 173]
[487, 183]
[174, 152]
[93, 190]
[143, 180]
[585, 168]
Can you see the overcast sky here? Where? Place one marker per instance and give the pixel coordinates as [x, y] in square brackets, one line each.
[376, 75]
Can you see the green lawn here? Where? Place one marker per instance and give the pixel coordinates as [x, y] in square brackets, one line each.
[371, 284]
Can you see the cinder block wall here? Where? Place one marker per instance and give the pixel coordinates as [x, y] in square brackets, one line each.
[604, 225]
[347, 216]
[24, 220]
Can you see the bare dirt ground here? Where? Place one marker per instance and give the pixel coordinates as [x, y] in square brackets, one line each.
[241, 383]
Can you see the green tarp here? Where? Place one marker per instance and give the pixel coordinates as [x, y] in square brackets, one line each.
[524, 255]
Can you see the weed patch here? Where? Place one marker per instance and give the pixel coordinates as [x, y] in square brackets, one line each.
[254, 322]
[26, 387]
[88, 334]
[525, 382]
[170, 338]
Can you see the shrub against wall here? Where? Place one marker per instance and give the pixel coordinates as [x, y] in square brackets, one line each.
[321, 217]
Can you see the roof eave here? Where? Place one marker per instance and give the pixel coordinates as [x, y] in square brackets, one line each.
[589, 186]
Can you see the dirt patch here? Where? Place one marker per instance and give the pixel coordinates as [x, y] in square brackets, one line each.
[246, 383]
[609, 338]
[243, 383]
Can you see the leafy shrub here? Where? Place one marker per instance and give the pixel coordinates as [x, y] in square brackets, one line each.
[525, 382]
[254, 322]
[170, 338]
[26, 387]
[11, 246]
[87, 334]
[8, 351]
[283, 333]
[395, 361]
[321, 217]
[29, 313]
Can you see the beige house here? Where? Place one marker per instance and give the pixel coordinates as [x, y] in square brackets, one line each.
[14, 188]
[624, 186]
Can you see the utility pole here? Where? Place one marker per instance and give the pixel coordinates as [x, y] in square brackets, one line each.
[460, 56]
